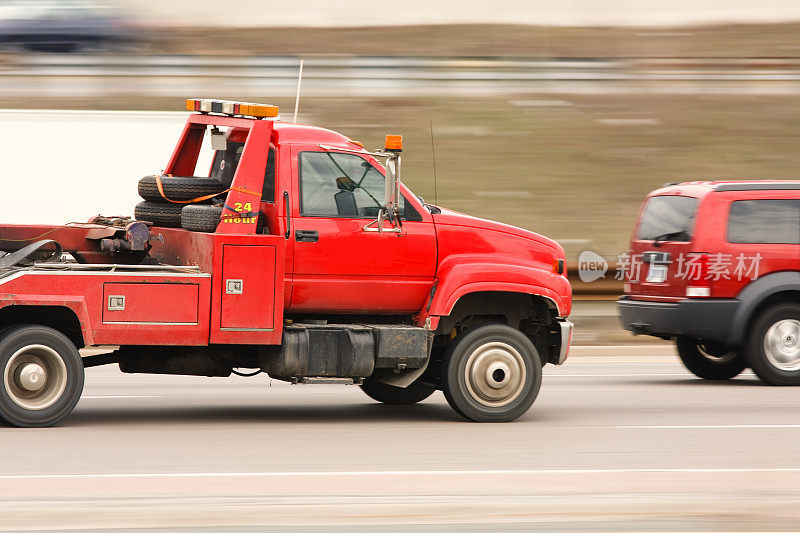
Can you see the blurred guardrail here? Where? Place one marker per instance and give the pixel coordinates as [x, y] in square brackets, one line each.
[606, 288]
[178, 75]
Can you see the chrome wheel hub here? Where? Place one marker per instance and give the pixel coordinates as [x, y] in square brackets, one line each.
[35, 377]
[31, 376]
[495, 374]
[782, 345]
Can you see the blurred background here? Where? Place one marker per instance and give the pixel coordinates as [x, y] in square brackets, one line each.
[558, 116]
[551, 115]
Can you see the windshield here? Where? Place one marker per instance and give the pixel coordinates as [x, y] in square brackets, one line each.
[668, 218]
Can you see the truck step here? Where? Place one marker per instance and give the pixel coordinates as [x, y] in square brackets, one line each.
[329, 381]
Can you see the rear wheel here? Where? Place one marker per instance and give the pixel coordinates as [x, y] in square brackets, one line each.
[391, 395]
[491, 373]
[773, 349]
[709, 360]
[42, 375]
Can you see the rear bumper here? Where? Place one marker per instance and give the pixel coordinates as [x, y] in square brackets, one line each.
[702, 319]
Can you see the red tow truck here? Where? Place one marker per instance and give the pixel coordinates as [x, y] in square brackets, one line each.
[300, 255]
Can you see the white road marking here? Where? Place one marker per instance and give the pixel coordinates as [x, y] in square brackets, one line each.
[119, 396]
[683, 375]
[648, 361]
[719, 426]
[402, 473]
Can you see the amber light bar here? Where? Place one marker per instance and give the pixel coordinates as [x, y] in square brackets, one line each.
[226, 107]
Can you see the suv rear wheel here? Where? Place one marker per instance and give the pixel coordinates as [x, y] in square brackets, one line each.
[709, 360]
[773, 349]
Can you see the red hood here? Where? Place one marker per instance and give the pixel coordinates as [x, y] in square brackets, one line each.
[460, 219]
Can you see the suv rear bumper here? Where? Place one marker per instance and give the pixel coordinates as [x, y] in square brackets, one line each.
[702, 319]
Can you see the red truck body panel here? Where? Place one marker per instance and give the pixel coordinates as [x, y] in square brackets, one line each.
[147, 318]
[245, 280]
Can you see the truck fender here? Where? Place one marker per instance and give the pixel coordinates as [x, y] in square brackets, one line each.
[753, 296]
[77, 305]
[480, 274]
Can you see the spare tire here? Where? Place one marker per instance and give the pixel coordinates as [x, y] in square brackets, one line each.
[201, 217]
[164, 215]
[179, 189]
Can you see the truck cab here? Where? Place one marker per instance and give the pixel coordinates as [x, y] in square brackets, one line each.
[299, 254]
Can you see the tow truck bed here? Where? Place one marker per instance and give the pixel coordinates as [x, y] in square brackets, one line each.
[177, 302]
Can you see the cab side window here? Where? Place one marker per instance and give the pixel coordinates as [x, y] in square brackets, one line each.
[340, 185]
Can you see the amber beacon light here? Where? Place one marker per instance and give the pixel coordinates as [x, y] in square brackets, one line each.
[394, 143]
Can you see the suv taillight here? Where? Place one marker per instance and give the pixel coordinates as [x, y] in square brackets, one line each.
[698, 282]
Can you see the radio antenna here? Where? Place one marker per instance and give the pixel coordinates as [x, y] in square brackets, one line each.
[433, 152]
[297, 97]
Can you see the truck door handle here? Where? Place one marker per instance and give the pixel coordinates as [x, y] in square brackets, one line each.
[288, 214]
[306, 235]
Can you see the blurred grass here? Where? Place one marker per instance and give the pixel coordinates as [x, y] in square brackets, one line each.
[567, 171]
[480, 40]
[574, 168]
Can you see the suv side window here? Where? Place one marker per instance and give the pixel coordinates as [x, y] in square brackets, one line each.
[342, 185]
[764, 221]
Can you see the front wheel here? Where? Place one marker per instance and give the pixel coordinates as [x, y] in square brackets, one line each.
[491, 373]
[708, 360]
[773, 348]
[391, 395]
[42, 376]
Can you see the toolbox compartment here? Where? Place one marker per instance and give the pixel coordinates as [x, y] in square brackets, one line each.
[133, 303]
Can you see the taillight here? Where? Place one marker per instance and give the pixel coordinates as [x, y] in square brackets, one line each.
[558, 266]
[695, 270]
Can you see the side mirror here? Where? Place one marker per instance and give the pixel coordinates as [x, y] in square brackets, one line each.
[392, 188]
[392, 147]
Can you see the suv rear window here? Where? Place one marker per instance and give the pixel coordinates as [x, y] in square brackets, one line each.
[668, 218]
[764, 221]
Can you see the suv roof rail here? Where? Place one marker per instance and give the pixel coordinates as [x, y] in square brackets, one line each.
[757, 187]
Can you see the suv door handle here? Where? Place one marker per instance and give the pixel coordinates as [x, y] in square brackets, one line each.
[306, 235]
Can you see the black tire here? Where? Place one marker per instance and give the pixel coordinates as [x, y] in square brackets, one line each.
[201, 217]
[179, 189]
[390, 395]
[483, 397]
[164, 215]
[773, 346]
[708, 360]
[23, 348]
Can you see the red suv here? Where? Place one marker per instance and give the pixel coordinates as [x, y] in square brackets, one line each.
[715, 265]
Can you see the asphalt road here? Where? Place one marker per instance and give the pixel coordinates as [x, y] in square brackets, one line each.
[620, 439]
